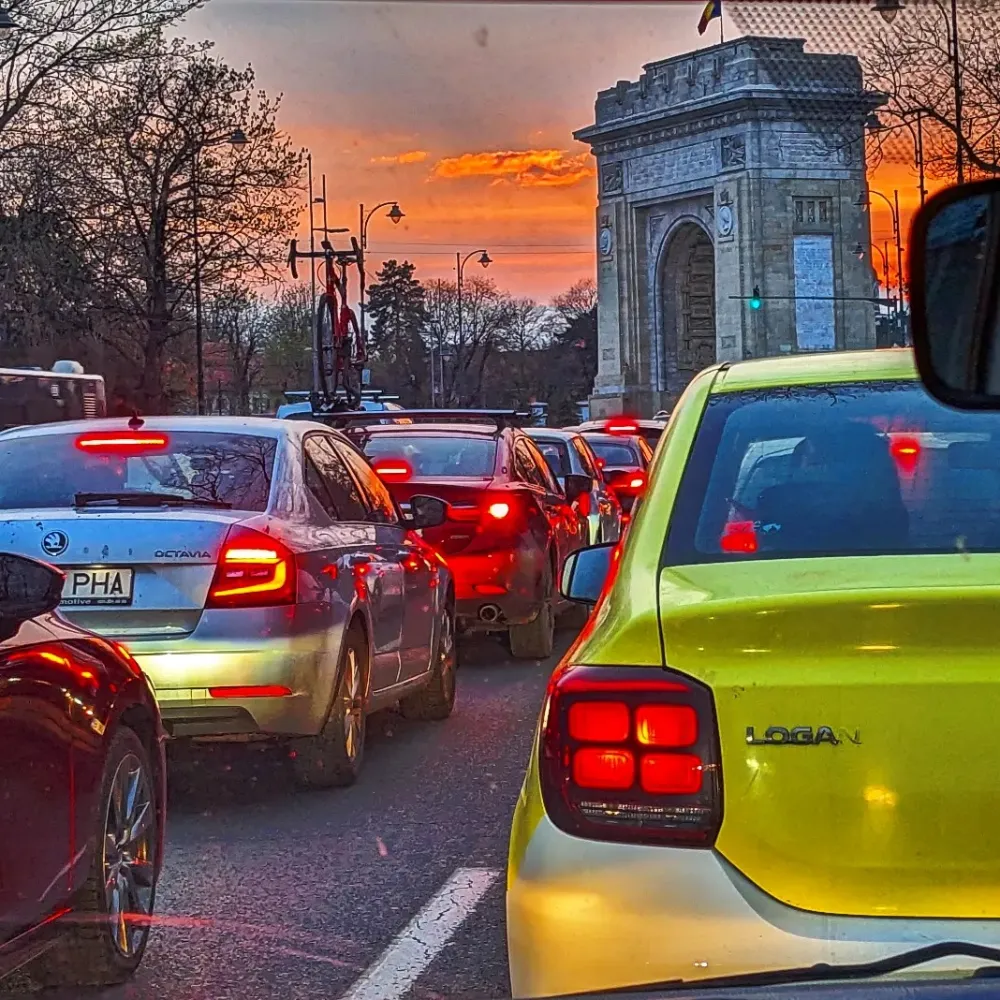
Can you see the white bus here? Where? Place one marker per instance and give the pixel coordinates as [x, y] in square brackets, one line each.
[36, 396]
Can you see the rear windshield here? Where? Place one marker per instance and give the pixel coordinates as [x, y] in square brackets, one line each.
[855, 469]
[556, 455]
[616, 454]
[48, 471]
[436, 454]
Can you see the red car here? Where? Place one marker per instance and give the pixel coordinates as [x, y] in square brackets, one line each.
[82, 791]
[509, 527]
[623, 460]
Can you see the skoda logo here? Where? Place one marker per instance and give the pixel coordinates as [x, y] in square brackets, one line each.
[55, 543]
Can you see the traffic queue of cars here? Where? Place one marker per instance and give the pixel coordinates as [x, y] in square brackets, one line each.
[268, 579]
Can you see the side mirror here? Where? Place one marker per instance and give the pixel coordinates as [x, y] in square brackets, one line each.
[954, 272]
[585, 572]
[28, 588]
[577, 486]
[427, 512]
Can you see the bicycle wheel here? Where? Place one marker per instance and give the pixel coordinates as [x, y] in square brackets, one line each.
[325, 319]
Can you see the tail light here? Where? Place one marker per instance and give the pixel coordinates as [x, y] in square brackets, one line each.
[739, 536]
[636, 483]
[621, 425]
[254, 571]
[905, 449]
[393, 470]
[631, 754]
[491, 510]
[121, 442]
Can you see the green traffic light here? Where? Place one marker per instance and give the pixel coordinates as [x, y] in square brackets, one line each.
[755, 298]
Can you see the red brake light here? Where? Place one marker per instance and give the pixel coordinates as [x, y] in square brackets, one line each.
[498, 510]
[254, 570]
[666, 725]
[251, 691]
[739, 536]
[393, 470]
[671, 774]
[599, 767]
[122, 442]
[905, 449]
[631, 754]
[599, 721]
[637, 482]
[621, 425]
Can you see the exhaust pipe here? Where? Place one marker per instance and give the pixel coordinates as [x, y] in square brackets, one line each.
[489, 613]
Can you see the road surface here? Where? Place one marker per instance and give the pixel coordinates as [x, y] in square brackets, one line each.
[391, 889]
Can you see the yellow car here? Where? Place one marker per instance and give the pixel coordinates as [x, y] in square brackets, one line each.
[776, 742]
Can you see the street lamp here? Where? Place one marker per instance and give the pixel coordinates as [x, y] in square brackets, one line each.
[460, 262]
[888, 9]
[238, 139]
[896, 232]
[396, 214]
[7, 23]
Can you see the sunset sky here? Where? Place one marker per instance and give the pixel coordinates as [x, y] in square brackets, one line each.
[464, 113]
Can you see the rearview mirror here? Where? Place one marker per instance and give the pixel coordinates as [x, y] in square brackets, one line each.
[955, 265]
[28, 588]
[577, 486]
[585, 572]
[427, 512]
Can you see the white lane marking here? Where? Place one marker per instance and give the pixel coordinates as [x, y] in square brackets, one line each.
[417, 945]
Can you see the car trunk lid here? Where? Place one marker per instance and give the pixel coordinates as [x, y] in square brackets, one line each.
[477, 510]
[857, 719]
[133, 572]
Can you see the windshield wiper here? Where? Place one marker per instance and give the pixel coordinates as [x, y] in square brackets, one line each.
[825, 972]
[141, 498]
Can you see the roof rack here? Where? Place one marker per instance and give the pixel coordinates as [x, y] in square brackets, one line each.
[362, 418]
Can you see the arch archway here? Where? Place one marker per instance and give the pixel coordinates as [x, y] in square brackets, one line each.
[687, 305]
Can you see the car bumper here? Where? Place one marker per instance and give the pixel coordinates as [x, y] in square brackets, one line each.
[587, 916]
[184, 672]
[506, 580]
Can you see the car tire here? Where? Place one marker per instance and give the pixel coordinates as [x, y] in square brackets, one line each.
[333, 758]
[103, 947]
[536, 639]
[436, 700]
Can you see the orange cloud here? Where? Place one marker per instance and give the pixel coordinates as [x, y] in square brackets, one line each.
[525, 168]
[411, 156]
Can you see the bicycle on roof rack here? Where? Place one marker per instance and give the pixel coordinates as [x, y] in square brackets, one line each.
[339, 341]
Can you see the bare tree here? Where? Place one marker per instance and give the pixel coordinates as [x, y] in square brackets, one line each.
[485, 328]
[237, 321]
[128, 149]
[61, 44]
[578, 299]
[910, 61]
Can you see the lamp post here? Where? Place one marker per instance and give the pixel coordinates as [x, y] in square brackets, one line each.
[460, 263]
[888, 9]
[395, 213]
[237, 138]
[893, 204]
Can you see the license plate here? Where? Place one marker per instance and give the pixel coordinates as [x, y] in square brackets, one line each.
[97, 586]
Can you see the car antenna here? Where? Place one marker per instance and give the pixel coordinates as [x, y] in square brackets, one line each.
[135, 421]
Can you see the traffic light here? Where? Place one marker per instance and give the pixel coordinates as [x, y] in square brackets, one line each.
[755, 298]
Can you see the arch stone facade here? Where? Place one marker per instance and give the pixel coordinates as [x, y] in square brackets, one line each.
[733, 167]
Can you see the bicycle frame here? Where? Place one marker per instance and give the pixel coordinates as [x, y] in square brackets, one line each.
[345, 353]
